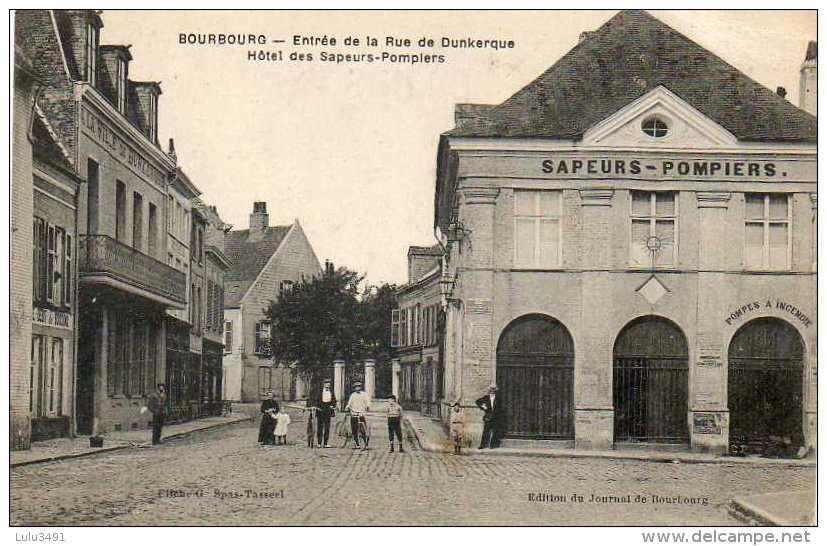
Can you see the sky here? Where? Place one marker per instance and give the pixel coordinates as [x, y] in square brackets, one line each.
[350, 149]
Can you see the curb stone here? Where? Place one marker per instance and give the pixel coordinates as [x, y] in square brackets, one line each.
[120, 447]
[671, 457]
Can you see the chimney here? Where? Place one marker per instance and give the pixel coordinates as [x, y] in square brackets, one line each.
[259, 219]
[808, 84]
[781, 92]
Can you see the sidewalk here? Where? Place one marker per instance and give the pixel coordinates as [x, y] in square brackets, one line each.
[432, 437]
[68, 448]
[789, 508]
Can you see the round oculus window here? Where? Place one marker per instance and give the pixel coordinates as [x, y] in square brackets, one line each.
[655, 127]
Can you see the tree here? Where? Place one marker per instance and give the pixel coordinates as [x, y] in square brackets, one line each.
[375, 323]
[320, 319]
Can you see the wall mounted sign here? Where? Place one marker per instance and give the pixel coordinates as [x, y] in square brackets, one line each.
[54, 319]
[776, 304]
[707, 423]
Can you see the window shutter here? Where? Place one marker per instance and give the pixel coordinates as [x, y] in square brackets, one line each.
[395, 328]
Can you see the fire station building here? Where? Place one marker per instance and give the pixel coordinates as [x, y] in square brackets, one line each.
[632, 250]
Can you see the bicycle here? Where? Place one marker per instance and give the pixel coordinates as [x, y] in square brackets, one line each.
[344, 429]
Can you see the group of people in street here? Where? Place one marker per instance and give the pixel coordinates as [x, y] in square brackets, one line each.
[493, 420]
[274, 421]
[273, 427]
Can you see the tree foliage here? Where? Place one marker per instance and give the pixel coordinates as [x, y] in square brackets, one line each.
[330, 316]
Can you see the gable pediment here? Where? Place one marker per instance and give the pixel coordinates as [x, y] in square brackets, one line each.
[686, 127]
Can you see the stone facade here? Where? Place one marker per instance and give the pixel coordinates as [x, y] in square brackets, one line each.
[250, 289]
[618, 228]
[20, 249]
[417, 326]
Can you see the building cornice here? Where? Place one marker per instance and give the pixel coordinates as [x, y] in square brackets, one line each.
[480, 196]
[482, 144]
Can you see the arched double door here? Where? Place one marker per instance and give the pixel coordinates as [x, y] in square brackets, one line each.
[765, 385]
[651, 382]
[535, 376]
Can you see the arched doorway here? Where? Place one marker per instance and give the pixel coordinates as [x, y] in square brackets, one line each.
[535, 376]
[651, 381]
[764, 382]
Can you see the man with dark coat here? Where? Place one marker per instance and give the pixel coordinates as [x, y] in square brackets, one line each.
[156, 403]
[269, 408]
[327, 405]
[493, 417]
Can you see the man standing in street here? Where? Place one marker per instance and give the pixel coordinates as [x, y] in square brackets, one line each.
[358, 405]
[157, 405]
[492, 418]
[326, 411]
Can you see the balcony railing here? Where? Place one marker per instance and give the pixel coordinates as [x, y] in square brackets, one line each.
[103, 255]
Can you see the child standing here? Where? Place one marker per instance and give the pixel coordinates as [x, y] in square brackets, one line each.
[458, 425]
[395, 423]
[282, 420]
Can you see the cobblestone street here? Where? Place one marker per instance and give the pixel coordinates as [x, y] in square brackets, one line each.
[215, 469]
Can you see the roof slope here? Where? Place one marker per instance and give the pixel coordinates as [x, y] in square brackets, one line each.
[627, 57]
[249, 251]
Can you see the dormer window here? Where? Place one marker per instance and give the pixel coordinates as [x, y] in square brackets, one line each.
[152, 117]
[91, 53]
[655, 127]
[121, 86]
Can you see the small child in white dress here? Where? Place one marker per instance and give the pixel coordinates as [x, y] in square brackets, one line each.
[282, 420]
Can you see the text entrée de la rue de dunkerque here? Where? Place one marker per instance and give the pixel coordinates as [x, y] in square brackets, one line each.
[351, 49]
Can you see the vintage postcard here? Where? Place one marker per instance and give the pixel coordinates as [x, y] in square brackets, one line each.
[413, 268]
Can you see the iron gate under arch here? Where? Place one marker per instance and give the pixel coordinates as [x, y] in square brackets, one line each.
[765, 385]
[535, 376]
[651, 382]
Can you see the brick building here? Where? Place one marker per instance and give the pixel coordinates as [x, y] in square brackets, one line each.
[265, 259]
[631, 250]
[90, 174]
[108, 124]
[54, 290]
[415, 334]
[21, 211]
[216, 264]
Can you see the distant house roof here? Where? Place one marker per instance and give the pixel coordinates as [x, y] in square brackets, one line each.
[249, 251]
[630, 55]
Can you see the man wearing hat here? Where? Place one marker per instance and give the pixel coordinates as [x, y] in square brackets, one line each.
[358, 405]
[492, 418]
[327, 405]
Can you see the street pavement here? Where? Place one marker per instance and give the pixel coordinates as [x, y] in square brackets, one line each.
[223, 477]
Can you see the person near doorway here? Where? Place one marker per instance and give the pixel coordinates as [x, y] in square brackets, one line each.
[269, 408]
[327, 409]
[157, 405]
[358, 404]
[395, 423]
[492, 418]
